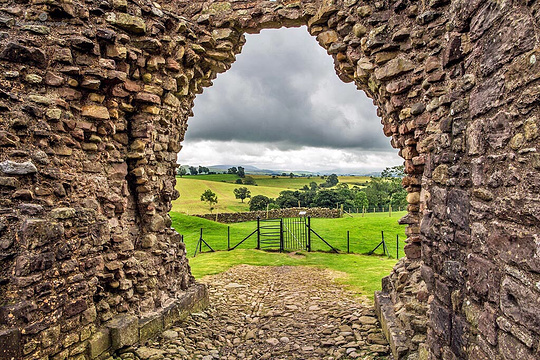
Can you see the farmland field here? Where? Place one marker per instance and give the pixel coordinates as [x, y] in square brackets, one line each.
[191, 187]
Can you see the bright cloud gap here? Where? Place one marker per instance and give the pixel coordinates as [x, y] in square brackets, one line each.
[282, 107]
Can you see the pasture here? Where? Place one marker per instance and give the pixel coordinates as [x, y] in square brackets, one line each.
[191, 187]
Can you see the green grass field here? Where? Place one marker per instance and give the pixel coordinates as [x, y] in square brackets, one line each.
[191, 187]
[365, 233]
[360, 273]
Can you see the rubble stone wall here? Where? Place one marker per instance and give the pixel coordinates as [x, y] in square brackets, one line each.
[94, 102]
[229, 218]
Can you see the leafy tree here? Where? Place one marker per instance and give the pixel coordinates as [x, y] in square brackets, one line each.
[360, 200]
[327, 199]
[241, 172]
[232, 170]
[288, 199]
[193, 170]
[248, 180]
[238, 181]
[394, 172]
[209, 197]
[313, 186]
[332, 180]
[242, 193]
[181, 171]
[203, 169]
[291, 175]
[259, 202]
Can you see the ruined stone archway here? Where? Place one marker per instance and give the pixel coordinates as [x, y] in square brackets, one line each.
[95, 99]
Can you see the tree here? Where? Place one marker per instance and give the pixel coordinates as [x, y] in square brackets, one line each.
[248, 180]
[203, 169]
[360, 200]
[291, 175]
[242, 193]
[313, 186]
[332, 180]
[232, 170]
[327, 199]
[193, 170]
[241, 172]
[259, 202]
[288, 199]
[394, 172]
[209, 197]
[238, 181]
[181, 171]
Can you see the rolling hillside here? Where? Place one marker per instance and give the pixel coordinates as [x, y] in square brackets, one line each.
[191, 188]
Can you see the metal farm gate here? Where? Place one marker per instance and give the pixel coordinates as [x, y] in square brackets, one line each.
[284, 234]
[288, 234]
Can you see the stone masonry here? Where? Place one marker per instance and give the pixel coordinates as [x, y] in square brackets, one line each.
[229, 218]
[94, 102]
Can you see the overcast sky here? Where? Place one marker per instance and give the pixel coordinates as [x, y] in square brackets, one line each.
[282, 107]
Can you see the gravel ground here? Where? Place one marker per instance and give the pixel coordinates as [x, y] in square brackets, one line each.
[286, 312]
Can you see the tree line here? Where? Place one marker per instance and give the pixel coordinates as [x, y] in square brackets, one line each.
[380, 192]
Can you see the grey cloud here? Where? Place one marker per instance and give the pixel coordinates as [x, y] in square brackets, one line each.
[293, 100]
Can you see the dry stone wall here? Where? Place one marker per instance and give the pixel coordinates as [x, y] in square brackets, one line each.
[229, 218]
[94, 103]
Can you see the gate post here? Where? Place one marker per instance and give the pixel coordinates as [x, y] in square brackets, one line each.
[281, 235]
[309, 234]
[258, 233]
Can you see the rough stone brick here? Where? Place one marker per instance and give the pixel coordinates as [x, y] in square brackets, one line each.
[124, 330]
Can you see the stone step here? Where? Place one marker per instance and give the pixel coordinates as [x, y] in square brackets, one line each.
[384, 308]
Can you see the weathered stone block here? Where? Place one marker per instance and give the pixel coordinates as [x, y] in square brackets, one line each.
[520, 303]
[13, 168]
[124, 331]
[99, 343]
[38, 232]
[23, 54]
[130, 23]
[458, 208]
[150, 326]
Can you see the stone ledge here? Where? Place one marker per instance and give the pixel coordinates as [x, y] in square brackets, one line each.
[384, 308]
[128, 330]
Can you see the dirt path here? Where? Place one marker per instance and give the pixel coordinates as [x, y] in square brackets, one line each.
[287, 312]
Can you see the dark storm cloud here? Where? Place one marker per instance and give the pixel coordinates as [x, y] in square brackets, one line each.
[284, 90]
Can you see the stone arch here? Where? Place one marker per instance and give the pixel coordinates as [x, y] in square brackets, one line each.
[94, 103]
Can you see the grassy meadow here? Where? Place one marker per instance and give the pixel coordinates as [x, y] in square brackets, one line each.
[191, 187]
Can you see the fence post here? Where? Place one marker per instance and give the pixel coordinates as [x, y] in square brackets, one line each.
[390, 210]
[228, 237]
[200, 242]
[384, 244]
[281, 235]
[258, 233]
[309, 234]
[348, 242]
[363, 211]
[397, 246]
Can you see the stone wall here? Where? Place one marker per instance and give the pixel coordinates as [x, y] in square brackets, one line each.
[94, 102]
[229, 218]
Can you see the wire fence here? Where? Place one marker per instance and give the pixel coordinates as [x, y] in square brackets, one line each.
[298, 234]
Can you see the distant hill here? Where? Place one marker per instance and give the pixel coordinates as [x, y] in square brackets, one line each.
[253, 170]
